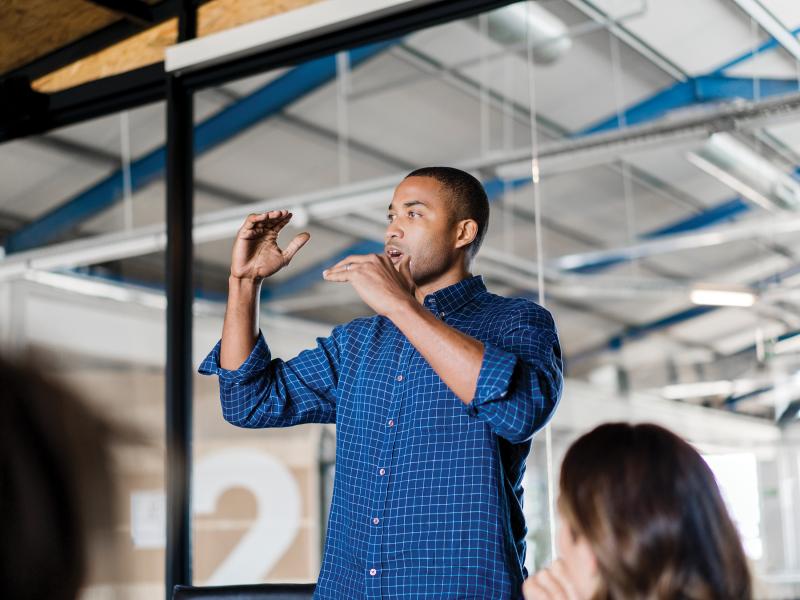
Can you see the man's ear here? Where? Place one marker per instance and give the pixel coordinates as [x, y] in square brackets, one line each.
[466, 232]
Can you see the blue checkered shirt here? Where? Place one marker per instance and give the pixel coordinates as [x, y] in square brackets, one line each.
[427, 499]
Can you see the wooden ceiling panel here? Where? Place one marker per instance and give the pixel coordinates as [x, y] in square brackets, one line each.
[30, 29]
[148, 47]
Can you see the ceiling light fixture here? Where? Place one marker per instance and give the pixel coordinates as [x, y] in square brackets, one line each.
[722, 297]
[740, 168]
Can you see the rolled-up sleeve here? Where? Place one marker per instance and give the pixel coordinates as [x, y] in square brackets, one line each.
[266, 392]
[521, 376]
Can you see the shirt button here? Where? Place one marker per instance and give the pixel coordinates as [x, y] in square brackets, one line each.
[441, 315]
[373, 572]
[391, 422]
[399, 378]
[375, 521]
[382, 472]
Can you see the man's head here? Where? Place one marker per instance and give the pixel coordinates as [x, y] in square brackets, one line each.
[438, 217]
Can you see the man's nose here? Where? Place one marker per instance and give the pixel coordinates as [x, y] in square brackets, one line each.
[393, 231]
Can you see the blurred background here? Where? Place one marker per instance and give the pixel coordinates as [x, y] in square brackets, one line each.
[664, 140]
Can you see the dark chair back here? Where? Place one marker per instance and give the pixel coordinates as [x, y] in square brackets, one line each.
[265, 591]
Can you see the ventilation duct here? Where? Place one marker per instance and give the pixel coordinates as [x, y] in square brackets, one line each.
[548, 34]
[746, 172]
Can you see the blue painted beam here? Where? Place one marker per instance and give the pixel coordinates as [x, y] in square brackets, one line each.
[731, 401]
[770, 44]
[676, 96]
[711, 88]
[682, 316]
[217, 129]
[697, 90]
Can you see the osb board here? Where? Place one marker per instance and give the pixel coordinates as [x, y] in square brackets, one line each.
[32, 28]
[148, 47]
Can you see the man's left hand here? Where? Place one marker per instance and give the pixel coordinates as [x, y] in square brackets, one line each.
[382, 285]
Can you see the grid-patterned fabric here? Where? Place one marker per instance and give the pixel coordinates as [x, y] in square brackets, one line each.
[427, 499]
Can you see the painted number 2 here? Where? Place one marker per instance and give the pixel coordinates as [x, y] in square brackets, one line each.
[277, 518]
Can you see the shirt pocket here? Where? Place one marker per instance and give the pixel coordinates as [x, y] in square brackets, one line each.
[438, 408]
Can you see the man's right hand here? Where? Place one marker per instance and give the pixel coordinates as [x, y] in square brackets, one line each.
[256, 254]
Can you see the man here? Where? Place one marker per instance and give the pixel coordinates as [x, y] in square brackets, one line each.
[435, 399]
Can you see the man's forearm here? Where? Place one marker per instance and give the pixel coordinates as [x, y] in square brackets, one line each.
[240, 328]
[455, 356]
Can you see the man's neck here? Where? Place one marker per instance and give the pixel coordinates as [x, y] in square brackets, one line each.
[450, 277]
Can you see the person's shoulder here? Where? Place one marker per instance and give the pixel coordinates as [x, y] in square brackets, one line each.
[515, 311]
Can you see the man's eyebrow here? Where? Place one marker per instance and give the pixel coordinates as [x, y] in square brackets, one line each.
[410, 203]
[413, 203]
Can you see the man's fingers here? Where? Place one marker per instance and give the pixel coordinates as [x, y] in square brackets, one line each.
[265, 219]
[298, 242]
[353, 259]
[340, 276]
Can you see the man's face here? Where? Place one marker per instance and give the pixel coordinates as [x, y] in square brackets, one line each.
[421, 227]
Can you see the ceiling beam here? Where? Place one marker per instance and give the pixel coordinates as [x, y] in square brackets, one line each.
[135, 11]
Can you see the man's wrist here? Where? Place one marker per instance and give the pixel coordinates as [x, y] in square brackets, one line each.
[239, 287]
[244, 282]
[404, 309]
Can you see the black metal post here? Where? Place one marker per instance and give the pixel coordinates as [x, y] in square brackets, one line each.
[180, 293]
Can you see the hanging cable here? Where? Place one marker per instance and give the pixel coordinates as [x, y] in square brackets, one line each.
[483, 27]
[125, 154]
[622, 122]
[342, 116]
[537, 209]
[509, 244]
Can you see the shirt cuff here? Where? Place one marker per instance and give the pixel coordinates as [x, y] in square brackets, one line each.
[255, 363]
[494, 377]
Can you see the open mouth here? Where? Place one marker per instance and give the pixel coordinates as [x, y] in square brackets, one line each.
[394, 254]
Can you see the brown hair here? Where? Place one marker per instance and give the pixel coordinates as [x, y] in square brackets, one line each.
[55, 484]
[651, 511]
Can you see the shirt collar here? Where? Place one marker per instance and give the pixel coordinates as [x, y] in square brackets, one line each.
[453, 297]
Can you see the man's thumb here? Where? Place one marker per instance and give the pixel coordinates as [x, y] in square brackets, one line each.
[298, 242]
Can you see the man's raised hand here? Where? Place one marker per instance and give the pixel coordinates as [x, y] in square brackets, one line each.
[382, 285]
[256, 253]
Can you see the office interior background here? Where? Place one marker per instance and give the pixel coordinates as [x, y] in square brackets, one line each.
[642, 159]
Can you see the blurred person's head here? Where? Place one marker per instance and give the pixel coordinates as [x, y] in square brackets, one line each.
[643, 518]
[55, 484]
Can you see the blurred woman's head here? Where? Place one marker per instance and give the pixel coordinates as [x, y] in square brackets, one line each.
[55, 484]
[642, 517]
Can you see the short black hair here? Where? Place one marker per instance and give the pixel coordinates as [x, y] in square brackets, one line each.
[466, 197]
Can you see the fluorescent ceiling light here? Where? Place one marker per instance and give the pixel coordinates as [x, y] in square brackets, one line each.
[705, 389]
[92, 286]
[714, 236]
[737, 166]
[729, 180]
[772, 25]
[721, 297]
[701, 389]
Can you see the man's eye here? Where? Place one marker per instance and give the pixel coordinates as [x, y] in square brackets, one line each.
[390, 218]
[413, 214]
